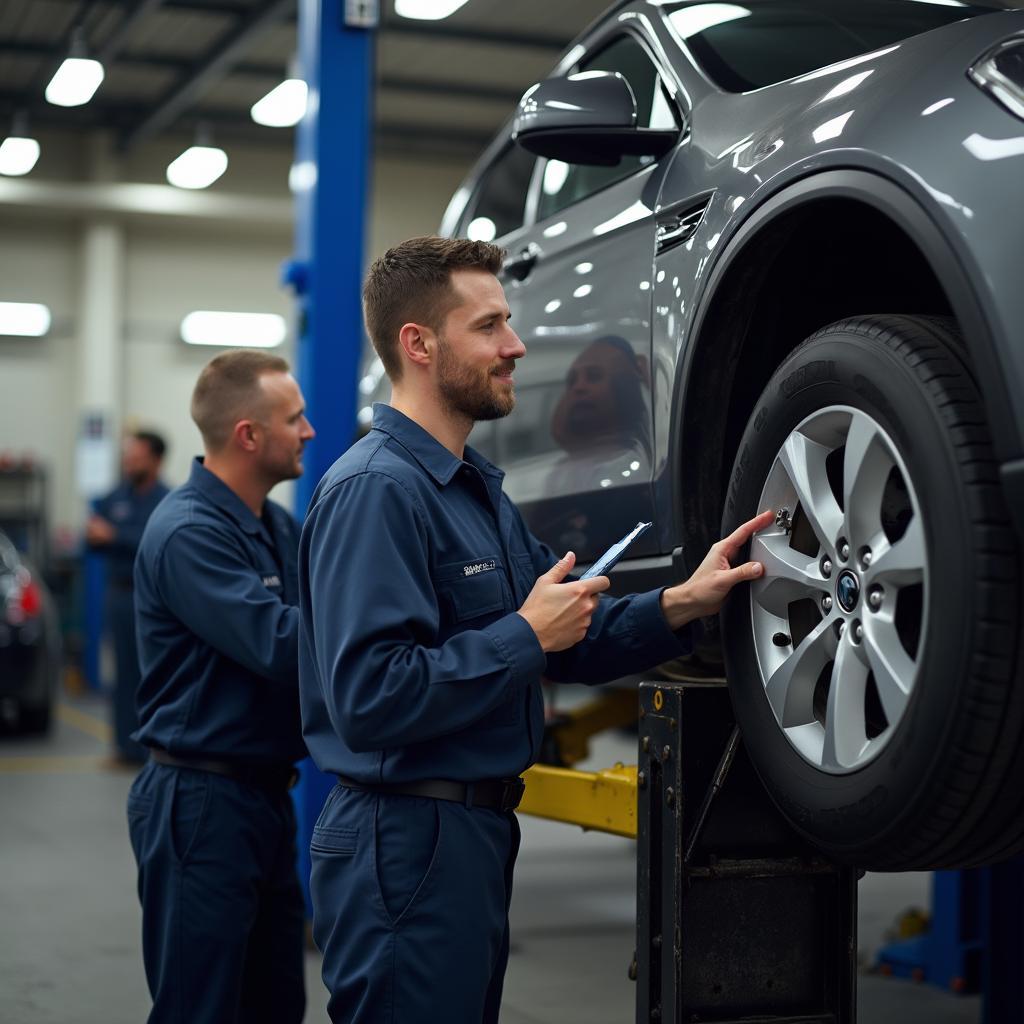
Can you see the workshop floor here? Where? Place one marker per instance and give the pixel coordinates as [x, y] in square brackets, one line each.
[69, 920]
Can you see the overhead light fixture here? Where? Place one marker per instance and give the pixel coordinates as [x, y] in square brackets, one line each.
[78, 77]
[19, 151]
[283, 106]
[427, 10]
[200, 165]
[233, 330]
[24, 319]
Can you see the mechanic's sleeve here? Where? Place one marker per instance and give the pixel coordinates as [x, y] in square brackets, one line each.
[207, 582]
[374, 624]
[627, 634]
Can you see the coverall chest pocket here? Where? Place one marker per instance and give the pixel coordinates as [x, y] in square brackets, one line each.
[471, 590]
[525, 576]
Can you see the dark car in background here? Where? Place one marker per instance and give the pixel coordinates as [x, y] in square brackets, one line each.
[768, 254]
[30, 654]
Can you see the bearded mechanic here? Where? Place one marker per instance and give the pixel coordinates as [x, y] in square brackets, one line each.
[428, 615]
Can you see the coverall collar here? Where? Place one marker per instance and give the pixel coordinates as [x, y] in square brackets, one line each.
[224, 497]
[437, 460]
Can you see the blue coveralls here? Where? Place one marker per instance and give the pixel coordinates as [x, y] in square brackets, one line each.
[127, 510]
[222, 911]
[413, 665]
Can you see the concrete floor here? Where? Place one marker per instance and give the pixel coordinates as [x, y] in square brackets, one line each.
[69, 919]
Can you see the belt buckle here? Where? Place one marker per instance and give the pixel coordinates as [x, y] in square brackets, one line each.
[512, 791]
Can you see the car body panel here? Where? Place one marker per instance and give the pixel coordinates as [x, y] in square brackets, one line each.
[901, 128]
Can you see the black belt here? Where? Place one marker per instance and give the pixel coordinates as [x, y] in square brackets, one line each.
[494, 794]
[275, 777]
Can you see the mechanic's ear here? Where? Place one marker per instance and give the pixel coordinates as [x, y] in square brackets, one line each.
[418, 343]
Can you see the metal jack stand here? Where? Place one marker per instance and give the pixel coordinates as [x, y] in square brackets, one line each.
[739, 920]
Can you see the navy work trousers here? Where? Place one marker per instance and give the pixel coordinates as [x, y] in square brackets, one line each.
[222, 912]
[121, 623]
[410, 908]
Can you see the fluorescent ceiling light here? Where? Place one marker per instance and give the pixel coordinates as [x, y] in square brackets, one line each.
[197, 167]
[481, 229]
[427, 10]
[18, 155]
[233, 330]
[24, 319]
[75, 82]
[283, 106]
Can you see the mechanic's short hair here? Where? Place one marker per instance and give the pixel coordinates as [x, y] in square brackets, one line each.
[411, 283]
[153, 441]
[228, 390]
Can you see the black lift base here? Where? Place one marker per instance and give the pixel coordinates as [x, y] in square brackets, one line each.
[739, 920]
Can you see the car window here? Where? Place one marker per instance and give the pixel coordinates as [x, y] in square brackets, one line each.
[748, 47]
[498, 205]
[563, 183]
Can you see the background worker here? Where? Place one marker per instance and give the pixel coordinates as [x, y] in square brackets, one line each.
[115, 528]
[210, 817]
[429, 615]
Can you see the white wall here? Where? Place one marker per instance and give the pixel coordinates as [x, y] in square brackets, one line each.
[172, 266]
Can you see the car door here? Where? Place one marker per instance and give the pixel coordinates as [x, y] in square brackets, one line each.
[578, 448]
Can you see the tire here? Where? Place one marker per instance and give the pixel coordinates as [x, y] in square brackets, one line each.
[893, 741]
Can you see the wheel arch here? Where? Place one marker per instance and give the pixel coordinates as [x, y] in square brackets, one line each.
[881, 248]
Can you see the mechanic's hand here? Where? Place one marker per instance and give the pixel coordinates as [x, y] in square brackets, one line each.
[705, 591]
[99, 531]
[558, 612]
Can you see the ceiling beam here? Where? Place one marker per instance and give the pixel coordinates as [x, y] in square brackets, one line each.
[114, 43]
[464, 34]
[217, 63]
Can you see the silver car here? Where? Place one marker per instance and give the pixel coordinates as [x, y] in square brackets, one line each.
[769, 254]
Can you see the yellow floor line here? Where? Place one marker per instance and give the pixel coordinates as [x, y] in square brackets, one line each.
[84, 722]
[23, 765]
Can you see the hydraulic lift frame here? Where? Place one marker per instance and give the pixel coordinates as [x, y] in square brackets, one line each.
[738, 918]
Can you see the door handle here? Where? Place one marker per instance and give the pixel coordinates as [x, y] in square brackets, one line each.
[520, 265]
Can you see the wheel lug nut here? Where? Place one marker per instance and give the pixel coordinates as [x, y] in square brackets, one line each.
[865, 558]
[826, 603]
[826, 567]
[844, 550]
[875, 598]
[858, 632]
[840, 626]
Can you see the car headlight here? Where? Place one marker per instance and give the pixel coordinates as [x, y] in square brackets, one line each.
[1000, 72]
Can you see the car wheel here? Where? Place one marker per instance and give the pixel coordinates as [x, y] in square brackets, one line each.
[872, 667]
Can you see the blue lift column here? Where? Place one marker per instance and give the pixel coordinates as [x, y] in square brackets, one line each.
[330, 179]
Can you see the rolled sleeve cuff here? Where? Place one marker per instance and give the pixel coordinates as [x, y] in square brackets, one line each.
[652, 632]
[518, 644]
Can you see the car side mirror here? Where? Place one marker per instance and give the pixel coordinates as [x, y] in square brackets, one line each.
[586, 118]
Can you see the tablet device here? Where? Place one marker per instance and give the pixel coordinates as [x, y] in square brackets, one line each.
[604, 564]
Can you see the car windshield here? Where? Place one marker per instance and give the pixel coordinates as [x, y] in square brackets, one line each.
[747, 46]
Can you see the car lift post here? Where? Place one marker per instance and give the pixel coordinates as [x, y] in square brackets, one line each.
[331, 182]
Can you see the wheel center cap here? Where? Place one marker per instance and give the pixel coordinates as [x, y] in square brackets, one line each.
[847, 590]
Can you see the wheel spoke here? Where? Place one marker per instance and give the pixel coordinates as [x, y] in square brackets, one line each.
[790, 688]
[788, 574]
[903, 563]
[866, 467]
[804, 463]
[845, 726]
[893, 668]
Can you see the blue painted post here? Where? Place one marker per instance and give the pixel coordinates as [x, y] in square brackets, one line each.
[330, 179]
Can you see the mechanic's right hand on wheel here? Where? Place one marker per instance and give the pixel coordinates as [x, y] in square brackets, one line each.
[705, 591]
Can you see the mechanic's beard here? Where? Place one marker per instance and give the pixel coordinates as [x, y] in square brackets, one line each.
[470, 393]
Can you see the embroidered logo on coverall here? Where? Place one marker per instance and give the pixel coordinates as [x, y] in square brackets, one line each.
[472, 570]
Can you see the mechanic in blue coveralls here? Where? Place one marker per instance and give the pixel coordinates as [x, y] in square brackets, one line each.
[429, 615]
[210, 817]
[115, 529]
